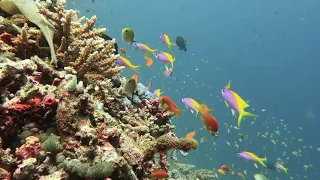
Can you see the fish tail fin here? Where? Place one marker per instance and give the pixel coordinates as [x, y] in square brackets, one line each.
[244, 114]
[171, 44]
[262, 160]
[172, 62]
[153, 51]
[135, 68]
[179, 112]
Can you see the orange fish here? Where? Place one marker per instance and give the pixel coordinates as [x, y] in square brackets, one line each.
[210, 121]
[123, 51]
[149, 85]
[149, 61]
[221, 171]
[158, 174]
[225, 168]
[169, 105]
[191, 134]
[135, 77]
[241, 175]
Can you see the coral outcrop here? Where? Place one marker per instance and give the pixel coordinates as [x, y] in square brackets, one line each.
[64, 113]
[189, 172]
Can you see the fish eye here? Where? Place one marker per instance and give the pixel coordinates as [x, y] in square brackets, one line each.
[223, 90]
[238, 154]
[126, 30]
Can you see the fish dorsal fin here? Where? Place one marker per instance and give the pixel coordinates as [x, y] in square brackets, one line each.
[229, 85]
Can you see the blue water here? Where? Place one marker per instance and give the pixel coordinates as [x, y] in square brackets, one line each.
[268, 49]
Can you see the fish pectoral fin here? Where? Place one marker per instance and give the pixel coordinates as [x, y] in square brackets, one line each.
[233, 112]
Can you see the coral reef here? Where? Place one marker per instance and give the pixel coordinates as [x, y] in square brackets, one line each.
[64, 113]
[189, 172]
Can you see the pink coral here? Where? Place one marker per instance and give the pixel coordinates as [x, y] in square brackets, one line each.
[18, 114]
[30, 149]
[19, 107]
[49, 101]
[153, 106]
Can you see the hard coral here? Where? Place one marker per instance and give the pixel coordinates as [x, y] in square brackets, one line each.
[167, 142]
[81, 47]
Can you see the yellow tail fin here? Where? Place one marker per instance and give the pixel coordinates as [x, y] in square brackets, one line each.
[262, 160]
[134, 68]
[244, 114]
[172, 62]
[153, 51]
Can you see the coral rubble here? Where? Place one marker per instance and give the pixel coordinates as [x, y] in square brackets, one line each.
[189, 172]
[69, 117]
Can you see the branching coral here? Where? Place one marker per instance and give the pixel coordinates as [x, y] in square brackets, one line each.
[81, 45]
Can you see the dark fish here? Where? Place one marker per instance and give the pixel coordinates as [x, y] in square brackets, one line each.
[181, 43]
[106, 37]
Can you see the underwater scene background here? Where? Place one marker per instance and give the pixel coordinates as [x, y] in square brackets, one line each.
[172, 89]
[268, 49]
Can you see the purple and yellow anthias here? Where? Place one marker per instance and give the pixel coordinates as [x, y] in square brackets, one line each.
[193, 105]
[236, 103]
[252, 157]
[281, 167]
[157, 93]
[168, 72]
[165, 58]
[127, 63]
[166, 40]
[145, 48]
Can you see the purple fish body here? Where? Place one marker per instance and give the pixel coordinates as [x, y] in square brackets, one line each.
[140, 46]
[245, 156]
[163, 39]
[162, 57]
[120, 62]
[169, 72]
[277, 166]
[188, 103]
[154, 93]
[229, 99]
